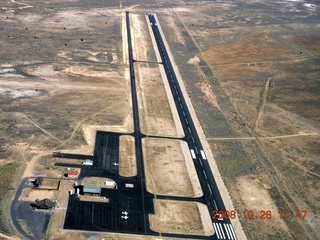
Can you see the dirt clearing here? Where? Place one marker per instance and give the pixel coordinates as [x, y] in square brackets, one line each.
[181, 217]
[253, 47]
[127, 157]
[253, 194]
[169, 168]
[157, 115]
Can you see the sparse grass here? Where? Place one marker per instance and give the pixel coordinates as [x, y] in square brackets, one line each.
[50, 183]
[232, 160]
[176, 217]
[7, 173]
[291, 221]
[127, 162]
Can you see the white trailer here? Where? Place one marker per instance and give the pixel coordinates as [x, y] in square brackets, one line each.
[111, 184]
[87, 162]
[129, 185]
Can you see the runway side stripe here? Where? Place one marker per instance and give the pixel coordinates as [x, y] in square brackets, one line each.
[193, 154]
[215, 204]
[203, 155]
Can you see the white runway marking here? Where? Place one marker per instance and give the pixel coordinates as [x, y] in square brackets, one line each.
[192, 154]
[203, 155]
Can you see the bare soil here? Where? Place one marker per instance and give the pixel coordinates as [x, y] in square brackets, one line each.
[156, 112]
[55, 229]
[169, 168]
[127, 157]
[158, 115]
[181, 217]
[252, 48]
[253, 195]
[31, 194]
[93, 199]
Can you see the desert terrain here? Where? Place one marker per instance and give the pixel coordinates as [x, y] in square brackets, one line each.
[250, 69]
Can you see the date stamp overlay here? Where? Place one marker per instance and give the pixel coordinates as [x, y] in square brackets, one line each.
[260, 214]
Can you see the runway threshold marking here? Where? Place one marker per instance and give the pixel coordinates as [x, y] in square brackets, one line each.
[229, 230]
[233, 233]
[219, 230]
[224, 236]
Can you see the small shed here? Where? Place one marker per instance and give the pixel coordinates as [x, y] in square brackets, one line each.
[87, 162]
[92, 187]
[73, 174]
[111, 184]
[45, 203]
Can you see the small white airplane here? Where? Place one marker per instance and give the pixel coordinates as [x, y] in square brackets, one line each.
[125, 213]
[115, 164]
[125, 217]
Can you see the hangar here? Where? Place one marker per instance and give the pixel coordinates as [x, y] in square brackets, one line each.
[92, 187]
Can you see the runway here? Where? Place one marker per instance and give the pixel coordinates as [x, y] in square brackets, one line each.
[223, 228]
